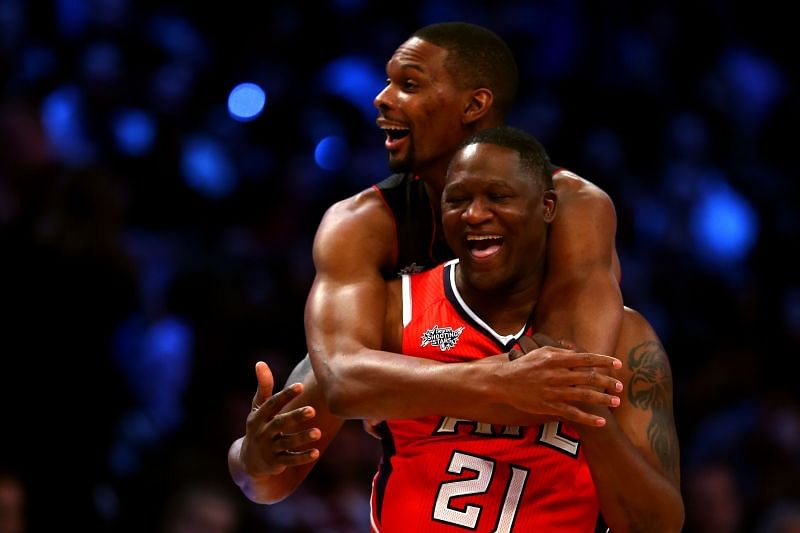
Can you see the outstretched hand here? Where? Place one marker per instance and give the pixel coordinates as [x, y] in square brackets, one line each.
[554, 379]
[273, 440]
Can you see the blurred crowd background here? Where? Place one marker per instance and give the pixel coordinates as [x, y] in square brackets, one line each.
[163, 167]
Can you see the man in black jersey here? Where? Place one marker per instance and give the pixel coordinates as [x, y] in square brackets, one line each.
[445, 82]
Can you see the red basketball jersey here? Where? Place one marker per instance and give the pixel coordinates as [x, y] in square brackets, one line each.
[441, 474]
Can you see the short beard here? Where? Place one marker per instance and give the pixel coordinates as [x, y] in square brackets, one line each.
[402, 165]
[399, 165]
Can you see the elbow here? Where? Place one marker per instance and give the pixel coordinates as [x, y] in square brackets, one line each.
[339, 386]
[674, 516]
[678, 518]
[340, 399]
[271, 496]
[269, 490]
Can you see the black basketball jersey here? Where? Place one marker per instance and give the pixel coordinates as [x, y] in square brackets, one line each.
[416, 224]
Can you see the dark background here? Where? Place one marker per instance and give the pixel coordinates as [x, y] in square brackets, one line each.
[153, 247]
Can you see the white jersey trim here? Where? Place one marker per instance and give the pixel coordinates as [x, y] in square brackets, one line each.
[407, 306]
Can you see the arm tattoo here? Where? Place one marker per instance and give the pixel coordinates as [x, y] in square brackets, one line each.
[650, 389]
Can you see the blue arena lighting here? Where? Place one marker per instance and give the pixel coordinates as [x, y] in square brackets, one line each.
[246, 101]
[207, 168]
[72, 16]
[348, 5]
[724, 225]
[63, 122]
[134, 132]
[356, 80]
[331, 153]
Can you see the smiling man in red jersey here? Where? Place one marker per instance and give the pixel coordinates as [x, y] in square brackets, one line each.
[446, 82]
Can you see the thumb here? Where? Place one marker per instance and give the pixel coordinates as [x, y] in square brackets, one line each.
[265, 382]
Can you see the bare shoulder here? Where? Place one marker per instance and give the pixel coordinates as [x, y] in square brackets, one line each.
[572, 186]
[635, 329]
[358, 230]
[364, 206]
[584, 230]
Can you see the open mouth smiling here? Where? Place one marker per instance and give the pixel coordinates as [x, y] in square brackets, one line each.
[484, 246]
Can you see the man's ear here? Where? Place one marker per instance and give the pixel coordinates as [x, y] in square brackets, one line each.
[478, 105]
[550, 200]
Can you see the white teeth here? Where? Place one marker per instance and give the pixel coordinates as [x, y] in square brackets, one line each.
[482, 237]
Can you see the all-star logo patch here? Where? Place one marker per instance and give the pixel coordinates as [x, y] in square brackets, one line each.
[444, 338]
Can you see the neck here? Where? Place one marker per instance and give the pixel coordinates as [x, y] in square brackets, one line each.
[505, 309]
[434, 182]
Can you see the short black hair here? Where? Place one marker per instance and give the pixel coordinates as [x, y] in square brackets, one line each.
[532, 155]
[477, 57]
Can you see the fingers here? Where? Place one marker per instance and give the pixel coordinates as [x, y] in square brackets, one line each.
[283, 449]
[574, 360]
[269, 409]
[527, 344]
[274, 442]
[513, 353]
[579, 395]
[560, 357]
[297, 458]
[571, 413]
[288, 443]
[586, 378]
[265, 383]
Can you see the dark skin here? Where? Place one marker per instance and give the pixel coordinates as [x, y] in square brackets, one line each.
[634, 458]
[356, 244]
[359, 382]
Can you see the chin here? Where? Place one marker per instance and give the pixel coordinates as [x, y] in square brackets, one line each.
[399, 165]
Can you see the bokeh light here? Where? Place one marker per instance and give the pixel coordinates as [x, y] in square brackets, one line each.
[246, 101]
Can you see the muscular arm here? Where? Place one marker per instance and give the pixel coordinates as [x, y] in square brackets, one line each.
[581, 299]
[345, 318]
[635, 459]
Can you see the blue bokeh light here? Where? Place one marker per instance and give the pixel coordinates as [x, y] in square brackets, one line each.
[356, 79]
[331, 153]
[724, 225]
[246, 101]
[62, 116]
[134, 132]
[72, 16]
[207, 168]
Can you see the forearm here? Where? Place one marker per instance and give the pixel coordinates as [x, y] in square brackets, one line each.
[384, 385]
[634, 496]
